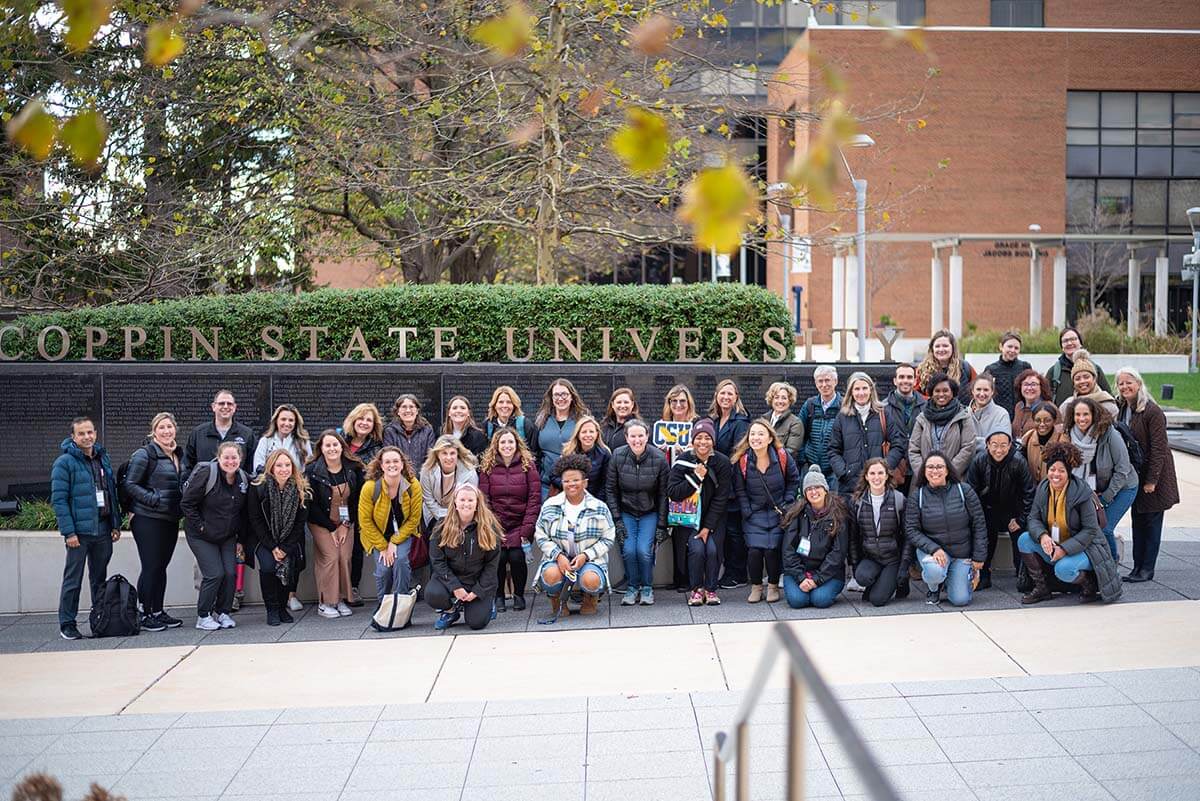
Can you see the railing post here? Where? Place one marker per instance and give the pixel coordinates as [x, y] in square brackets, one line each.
[718, 768]
[743, 761]
[796, 732]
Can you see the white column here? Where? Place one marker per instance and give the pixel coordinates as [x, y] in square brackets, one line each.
[839, 291]
[1035, 289]
[935, 294]
[1060, 290]
[1135, 297]
[1160, 296]
[852, 298]
[956, 294]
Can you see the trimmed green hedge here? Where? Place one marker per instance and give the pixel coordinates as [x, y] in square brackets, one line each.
[479, 312]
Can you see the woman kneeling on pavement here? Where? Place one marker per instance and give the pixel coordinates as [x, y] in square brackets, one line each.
[463, 552]
[706, 475]
[879, 553]
[1064, 532]
[945, 522]
[277, 506]
[816, 529]
[574, 533]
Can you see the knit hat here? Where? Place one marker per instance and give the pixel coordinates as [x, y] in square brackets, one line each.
[1082, 363]
[997, 429]
[704, 426]
[815, 478]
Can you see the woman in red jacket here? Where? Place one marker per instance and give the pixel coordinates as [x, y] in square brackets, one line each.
[509, 479]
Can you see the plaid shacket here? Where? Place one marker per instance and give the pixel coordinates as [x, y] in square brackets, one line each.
[593, 536]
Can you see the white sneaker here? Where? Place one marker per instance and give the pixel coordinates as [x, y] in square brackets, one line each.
[295, 605]
[854, 586]
[324, 610]
[226, 622]
[344, 610]
[207, 623]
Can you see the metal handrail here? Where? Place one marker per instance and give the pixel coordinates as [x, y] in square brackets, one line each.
[802, 676]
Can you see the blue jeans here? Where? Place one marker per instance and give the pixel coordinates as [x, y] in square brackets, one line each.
[638, 550]
[1066, 569]
[1114, 510]
[956, 575]
[398, 577]
[554, 589]
[821, 596]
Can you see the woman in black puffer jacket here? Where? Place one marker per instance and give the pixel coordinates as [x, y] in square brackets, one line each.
[463, 553]
[879, 553]
[945, 521]
[154, 484]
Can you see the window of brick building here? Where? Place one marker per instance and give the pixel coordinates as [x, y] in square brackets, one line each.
[1017, 14]
[862, 12]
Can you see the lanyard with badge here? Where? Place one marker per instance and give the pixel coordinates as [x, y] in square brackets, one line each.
[99, 488]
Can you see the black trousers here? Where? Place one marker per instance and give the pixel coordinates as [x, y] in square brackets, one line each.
[736, 559]
[156, 540]
[273, 592]
[703, 559]
[681, 558]
[1147, 537]
[477, 613]
[218, 568]
[878, 580]
[356, 563]
[756, 558]
[512, 562]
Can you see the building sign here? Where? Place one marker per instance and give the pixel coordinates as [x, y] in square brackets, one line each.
[1011, 249]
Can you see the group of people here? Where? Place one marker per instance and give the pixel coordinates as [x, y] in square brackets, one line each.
[853, 486]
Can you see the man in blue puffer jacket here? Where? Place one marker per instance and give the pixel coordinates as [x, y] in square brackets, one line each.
[818, 415]
[83, 492]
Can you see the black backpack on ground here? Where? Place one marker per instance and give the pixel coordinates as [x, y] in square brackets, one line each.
[115, 612]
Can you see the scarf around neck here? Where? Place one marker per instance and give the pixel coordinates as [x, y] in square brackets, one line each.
[1087, 447]
[942, 416]
[285, 503]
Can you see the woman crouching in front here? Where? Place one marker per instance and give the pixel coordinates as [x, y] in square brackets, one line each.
[816, 530]
[463, 553]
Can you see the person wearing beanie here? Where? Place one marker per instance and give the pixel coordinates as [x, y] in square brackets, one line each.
[1084, 374]
[1005, 486]
[765, 481]
[705, 474]
[984, 410]
[862, 431]
[1059, 374]
[816, 533]
[1006, 369]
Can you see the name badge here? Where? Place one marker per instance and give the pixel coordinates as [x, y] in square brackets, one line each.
[1055, 534]
[344, 513]
[100, 498]
[804, 547]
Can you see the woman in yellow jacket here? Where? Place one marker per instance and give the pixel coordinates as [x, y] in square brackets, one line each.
[389, 511]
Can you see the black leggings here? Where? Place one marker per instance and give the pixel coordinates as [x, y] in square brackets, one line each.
[755, 557]
[478, 613]
[156, 540]
[879, 580]
[512, 560]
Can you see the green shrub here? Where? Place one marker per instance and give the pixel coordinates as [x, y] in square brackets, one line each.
[34, 516]
[479, 312]
[1101, 334]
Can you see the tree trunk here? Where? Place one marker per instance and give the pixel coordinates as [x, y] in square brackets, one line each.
[547, 228]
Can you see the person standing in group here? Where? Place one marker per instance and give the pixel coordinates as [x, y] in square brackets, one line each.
[1083, 377]
[83, 493]
[202, 442]
[586, 440]
[944, 521]
[622, 407]
[286, 431]
[781, 396]
[704, 473]
[1001, 479]
[902, 407]
[765, 481]
[730, 422]
[448, 465]
[945, 426]
[1006, 369]
[680, 407]
[1158, 487]
[636, 494]
[1105, 467]
[504, 409]
[1045, 432]
[335, 477]
[816, 529]
[861, 432]
[277, 507]
[154, 486]
[1059, 375]
[364, 435]
[943, 357]
[461, 425]
[986, 413]
[878, 551]
[409, 430]
[463, 552]
[1064, 532]
[555, 423]
[818, 414]
[509, 479]
[1032, 391]
[216, 522]
[574, 532]
[389, 513]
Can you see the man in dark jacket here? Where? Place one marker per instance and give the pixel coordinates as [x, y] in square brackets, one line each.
[203, 441]
[83, 492]
[902, 406]
[818, 415]
[1006, 369]
[1001, 478]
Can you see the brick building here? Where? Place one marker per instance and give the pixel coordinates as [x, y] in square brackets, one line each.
[1086, 120]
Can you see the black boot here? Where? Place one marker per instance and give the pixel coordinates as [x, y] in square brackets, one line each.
[1090, 590]
[518, 603]
[272, 598]
[985, 578]
[1035, 568]
[500, 607]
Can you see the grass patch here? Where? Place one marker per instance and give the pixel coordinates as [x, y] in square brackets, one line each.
[34, 516]
[1101, 334]
[1187, 388]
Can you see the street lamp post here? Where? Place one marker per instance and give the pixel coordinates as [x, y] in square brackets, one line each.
[1192, 260]
[860, 242]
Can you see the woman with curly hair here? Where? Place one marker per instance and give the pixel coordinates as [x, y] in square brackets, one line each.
[277, 506]
[389, 512]
[1105, 466]
[943, 356]
[1032, 390]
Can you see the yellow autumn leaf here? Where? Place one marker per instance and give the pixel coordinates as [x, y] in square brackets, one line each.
[887, 217]
[650, 37]
[814, 175]
[921, 123]
[84, 18]
[838, 123]
[163, 43]
[33, 130]
[719, 202]
[84, 135]
[506, 34]
[641, 142]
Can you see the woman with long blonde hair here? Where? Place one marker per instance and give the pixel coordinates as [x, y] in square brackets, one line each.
[463, 553]
[286, 430]
[504, 409]
[277, 507]
[154, 483]
[561, 409]
[448, 465]
[588, 440]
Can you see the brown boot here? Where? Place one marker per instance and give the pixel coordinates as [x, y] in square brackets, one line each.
[756, 593]
[772, 593]
[589, 604]
[1090, 590]
[555, 602]
[1037, 573]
